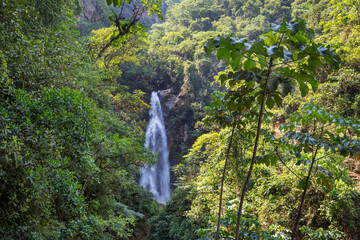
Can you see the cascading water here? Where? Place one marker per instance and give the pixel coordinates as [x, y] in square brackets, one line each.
[156, 178]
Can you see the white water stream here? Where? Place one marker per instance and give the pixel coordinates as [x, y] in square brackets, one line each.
[156, 178]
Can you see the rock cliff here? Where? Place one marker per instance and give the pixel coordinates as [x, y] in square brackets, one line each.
[92, 12]
[180, 120]
[96, 12]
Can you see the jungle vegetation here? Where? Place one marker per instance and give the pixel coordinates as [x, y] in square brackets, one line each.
[274, 87]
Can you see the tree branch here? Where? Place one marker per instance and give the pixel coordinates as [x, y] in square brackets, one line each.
[122, 30]
[304, 192]
[279, 157]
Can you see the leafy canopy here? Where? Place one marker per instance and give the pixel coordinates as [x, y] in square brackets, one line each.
[286, 56]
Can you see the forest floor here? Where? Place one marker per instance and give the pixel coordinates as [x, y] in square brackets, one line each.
[354, 170]
[141, 231]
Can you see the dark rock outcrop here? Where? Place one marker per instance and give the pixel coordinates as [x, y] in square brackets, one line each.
[96, 12]
[179, 119]
[92, 12]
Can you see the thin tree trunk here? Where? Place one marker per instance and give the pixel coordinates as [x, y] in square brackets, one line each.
[222, 181]
[254, 153]
[303, 196]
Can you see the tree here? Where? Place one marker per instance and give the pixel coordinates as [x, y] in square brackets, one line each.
[285, 57]
[320, 130]
[67, 160]
[128, 26]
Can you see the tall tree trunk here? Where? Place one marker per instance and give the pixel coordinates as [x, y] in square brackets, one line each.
[254, 152]
[222, 181]
[303, 196]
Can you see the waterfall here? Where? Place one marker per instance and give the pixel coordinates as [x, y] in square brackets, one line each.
[156, 178]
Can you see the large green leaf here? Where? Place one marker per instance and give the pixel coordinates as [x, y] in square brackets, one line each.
[259, 48]
[286, 87]
[247, 46]
[223, 53]
[235, 63]
[249, 64]
[322, 50]
[273, 83]
[271, 50]
[304, 89]
[270, 38]
[314, 62]
[270, 103]
[301, 78]
[294, 27]
[287, 55]
[278, 99]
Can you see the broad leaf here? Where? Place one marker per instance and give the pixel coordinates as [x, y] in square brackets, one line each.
[259, 48]
[278, 99]
[249, 64]
[270, 103]
[286, 87]
[235, 63]
[314, 62]
[304, 89]
[270, 38]
[273, 83]
[322, 50]
[275, 27]
[223, 53]
[247, 46]
[271, 50]
[287, 55]
[294, 27]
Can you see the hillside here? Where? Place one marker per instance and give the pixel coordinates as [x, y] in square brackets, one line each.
[261, 111]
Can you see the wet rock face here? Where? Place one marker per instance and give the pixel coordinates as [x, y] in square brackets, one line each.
[91, 11]
[167, 99]
[181, 117]
[180, 120]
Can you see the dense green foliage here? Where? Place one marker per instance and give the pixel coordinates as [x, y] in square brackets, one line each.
[279, 174]
[71, 138]
[72, 119]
